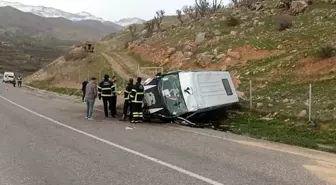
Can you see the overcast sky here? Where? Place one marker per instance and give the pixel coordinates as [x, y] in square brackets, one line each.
[113, 10]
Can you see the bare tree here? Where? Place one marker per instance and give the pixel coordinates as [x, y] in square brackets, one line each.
[235, 2]
[160, 14]
[179, 16]
[190, 11]
[202, 6]
[158, 19]
[216, 5]
[149, 26]
[186, 10]
[132, 29]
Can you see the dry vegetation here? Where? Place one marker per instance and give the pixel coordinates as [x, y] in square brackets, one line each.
[281, 46]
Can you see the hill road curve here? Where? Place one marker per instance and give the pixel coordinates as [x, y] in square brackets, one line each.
[45, 140]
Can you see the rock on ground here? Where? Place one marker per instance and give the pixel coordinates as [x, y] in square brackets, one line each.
[200, 37]
[204, 59]
[233, 54]
[302, 114]
[297, 7]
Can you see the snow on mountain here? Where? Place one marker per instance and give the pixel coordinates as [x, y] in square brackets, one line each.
[129, 21]
[50, 12]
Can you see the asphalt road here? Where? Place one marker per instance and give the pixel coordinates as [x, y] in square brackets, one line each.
[45, 140]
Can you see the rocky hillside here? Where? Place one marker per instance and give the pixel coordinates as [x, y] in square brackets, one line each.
[280, 47]
[281, 50]
[273, 49]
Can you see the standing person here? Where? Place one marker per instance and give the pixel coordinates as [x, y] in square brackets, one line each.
[14, 81]
[85, 82]
[137, 96]
[127, 102]
[114, 98]
[19, 79]
[106, 90]
[90, 97]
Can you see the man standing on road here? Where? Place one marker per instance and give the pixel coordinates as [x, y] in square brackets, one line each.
[19, 79]
[85, 82]
[90, 97]
[127, 102]
[14, 81]
[114, 98]
[137, 96]
[106, 90]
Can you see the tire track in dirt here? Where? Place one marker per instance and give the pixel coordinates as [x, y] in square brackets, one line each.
[117, 67]
[131, 65]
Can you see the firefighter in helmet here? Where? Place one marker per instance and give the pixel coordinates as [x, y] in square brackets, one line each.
[127, 102]
[137, 96]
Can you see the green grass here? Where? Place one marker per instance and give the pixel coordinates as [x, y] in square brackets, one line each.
[45, 86]
[311, 30]
[292, 132]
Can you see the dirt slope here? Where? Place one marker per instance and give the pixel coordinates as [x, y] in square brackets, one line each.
[116, 66]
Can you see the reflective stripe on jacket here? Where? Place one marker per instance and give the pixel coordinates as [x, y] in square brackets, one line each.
[106, 88]
[137, 94]
[128, 91]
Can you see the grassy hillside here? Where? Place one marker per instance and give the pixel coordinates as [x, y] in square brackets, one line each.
[66, 74]
[274, 51]
[25, 56]
[28, 41]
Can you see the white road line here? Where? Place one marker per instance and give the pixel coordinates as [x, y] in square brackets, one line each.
[69, 103]
[181, 170]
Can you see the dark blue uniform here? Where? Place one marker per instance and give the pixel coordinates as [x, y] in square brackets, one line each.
[127, 102]
[137, 96]
[106, 90]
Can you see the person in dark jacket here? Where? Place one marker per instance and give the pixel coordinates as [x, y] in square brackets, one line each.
[106, 91]
[137, 96]
[85, 82]
[19, 79]
[114, 98]
[14, 81]
[127, 102]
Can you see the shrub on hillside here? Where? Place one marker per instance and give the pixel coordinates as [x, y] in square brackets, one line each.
[179, 16]
[327, 51]
[149, 27]
[285, 22]
[247, 3]
[232, 21]
[126, 44]
[309, 2]
[132, 30]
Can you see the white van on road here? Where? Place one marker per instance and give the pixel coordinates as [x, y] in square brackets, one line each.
[8, 77]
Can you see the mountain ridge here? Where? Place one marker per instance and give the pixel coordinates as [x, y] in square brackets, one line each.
[51, 12]
[14, 21]
[130, 20]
